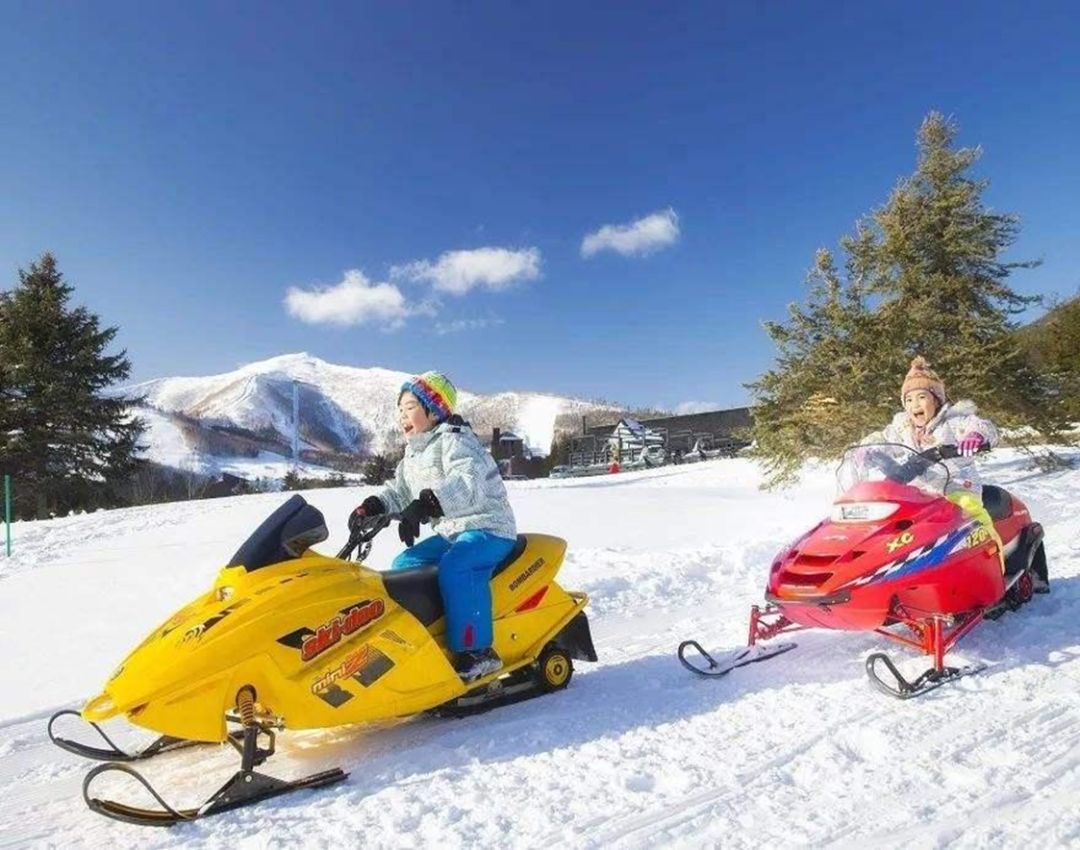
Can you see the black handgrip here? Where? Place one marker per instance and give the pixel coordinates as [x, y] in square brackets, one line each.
[365, 532]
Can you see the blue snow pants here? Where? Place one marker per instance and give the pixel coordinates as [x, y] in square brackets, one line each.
[465, 566]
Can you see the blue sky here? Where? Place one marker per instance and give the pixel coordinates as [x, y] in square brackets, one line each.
[594, 200]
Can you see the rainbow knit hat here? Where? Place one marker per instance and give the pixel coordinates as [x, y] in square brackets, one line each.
[434, 391]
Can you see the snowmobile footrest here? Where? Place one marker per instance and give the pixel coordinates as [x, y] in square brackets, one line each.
[165, 743]
[517, 687]
[728, 661]
[244, 788]
[925, 682]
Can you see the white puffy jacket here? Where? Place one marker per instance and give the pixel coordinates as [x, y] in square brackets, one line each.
[450, 461]
[953, 422]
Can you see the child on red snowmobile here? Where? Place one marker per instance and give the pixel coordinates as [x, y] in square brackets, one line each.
[447, 477]
[929, 419]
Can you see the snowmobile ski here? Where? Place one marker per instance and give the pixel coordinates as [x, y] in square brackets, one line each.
[244, 788]
[927, 681]
[723, 664]
[164, 744]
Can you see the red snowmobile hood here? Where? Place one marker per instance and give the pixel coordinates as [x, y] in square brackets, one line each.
[834, 554]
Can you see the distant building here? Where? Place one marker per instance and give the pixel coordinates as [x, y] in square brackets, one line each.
[229, 485]
[715, 431]
[630, 439]
[513, 456]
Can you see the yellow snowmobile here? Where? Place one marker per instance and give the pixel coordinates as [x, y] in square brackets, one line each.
[290, 639]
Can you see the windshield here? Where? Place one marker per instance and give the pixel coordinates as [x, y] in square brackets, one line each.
[283, 535]
[890, 462]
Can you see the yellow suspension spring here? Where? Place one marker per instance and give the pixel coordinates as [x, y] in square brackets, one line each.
[245, 703]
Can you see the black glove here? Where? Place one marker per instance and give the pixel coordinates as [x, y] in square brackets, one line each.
[371, 506]
[419, 510]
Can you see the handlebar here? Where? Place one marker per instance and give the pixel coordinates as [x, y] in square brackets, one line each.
[915, 464]
[364, 533]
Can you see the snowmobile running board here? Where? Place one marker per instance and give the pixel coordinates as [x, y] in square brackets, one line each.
[515, 688]
[927, 681]
[727, 662]
[164, 744]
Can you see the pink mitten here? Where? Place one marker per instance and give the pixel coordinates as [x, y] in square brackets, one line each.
[970, 444]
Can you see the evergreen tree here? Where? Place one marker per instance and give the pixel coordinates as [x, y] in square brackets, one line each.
[380, 468]
[945, 287]
[820, 392]
[66, 444]
[1053, 344]
[924, 274]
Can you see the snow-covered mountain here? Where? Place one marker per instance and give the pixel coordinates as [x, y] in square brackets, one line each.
[220, 421]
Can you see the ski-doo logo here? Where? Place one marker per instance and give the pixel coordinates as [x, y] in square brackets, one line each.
[329, 634]
[521, 579]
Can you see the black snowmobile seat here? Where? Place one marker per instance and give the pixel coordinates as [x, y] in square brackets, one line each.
[417, 589]
[998, 502]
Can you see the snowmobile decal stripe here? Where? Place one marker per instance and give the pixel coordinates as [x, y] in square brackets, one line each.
[929, 556]
[925, 556]
[295, 640]
[335, 696]
[374, 669]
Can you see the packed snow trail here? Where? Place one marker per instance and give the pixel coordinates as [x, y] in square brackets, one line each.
[797, 751]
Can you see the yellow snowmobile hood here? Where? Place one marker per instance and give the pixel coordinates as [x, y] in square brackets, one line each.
[196, 651]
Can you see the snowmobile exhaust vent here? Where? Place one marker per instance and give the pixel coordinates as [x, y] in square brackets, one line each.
[804, 560]
[804, 579]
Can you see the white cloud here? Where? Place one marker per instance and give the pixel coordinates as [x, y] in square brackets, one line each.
[353, 301]
[459, 325]
[458, 272]
[687, 407]
[638, 238]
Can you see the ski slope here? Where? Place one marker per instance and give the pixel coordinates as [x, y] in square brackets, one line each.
[636, 753]
[342, 408]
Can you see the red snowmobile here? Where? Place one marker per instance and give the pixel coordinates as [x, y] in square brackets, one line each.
[897, 558]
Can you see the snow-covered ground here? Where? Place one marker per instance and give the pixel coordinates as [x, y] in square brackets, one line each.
[798, 751]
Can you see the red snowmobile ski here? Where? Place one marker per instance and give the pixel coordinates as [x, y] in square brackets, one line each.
[897, 558]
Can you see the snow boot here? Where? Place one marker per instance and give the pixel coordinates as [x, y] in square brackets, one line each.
[473, 664]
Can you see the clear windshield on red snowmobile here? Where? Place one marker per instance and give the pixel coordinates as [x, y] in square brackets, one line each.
[893, 462]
